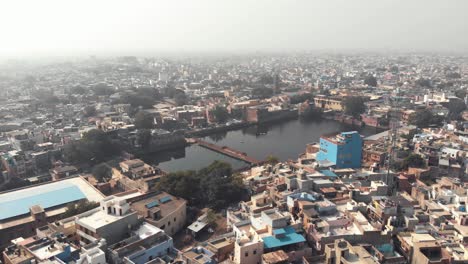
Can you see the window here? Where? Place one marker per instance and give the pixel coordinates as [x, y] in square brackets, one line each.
[163, 226]
[255, 252]
[169, 223]
[246, 254]
[175, 219]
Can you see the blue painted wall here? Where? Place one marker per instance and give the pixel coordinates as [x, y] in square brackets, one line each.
[348, 154]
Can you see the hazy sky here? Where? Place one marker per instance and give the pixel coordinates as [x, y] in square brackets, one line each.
[65, 27]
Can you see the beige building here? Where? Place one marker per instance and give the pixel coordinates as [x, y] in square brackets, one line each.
[328, 103]
[343, 252]
[248, 250]
[161, 210]
[135, 174]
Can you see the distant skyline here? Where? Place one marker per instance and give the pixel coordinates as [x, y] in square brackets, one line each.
[143, 27]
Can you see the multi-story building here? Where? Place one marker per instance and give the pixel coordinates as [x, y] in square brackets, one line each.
[342, 151]
[112, 220]
[328, 103]
[198, 255]
[146, 243]
[161, 210]
[23, 211]
[248, 250]
[16, 163]
[135, 174]
[40, 250]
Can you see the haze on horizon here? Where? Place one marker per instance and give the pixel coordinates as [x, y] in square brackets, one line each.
[123, 27]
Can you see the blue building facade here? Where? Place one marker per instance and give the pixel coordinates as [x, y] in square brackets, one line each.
[342, 151]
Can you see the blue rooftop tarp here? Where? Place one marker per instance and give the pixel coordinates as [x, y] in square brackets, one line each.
[280, 231]
[288, 236]
[165, 199]
[328, 173]
[20, 206]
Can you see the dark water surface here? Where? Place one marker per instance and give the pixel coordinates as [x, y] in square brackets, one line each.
[285, 140]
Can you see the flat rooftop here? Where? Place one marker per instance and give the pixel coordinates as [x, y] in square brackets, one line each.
[18, 202]
[98, 218]
[164, 202]
[284, 236]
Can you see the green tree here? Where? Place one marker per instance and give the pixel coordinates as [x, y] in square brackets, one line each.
[414, 161]
[77, 152]
[262, 92]
[214, 186]
[149, 93]
[272, 159]
[143, 120]
[102, 89]
[14, 183]
[424, 118]
[455, 108]
[180, 99]
[220, 114]
[78, 208]
[211, 217]
[184, 184]
[461, 93]
[370, 80]
[137, 100]
[300, 98]
[354, 105]
[424, 82]
[102, 172]
[312, 113]
[266, 79]
[144, 138]
[89, 110]
[95, 146]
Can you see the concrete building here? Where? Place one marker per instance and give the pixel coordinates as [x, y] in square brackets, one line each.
[343, 252]
[93, 254]
[146, 243]
[248, 250]
[24, 210]
[161, 210]
[198, 255]
[135, 174]
[328, 103]
[40, 250]
[112, 220]
[342, 151]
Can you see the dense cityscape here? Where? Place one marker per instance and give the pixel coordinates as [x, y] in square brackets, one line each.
[261, 158]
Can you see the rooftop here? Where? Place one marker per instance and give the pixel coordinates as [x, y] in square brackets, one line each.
[16, 203]
[165, 203]
[283, 237]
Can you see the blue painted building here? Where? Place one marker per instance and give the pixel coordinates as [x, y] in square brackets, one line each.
[282, 237]
[343, 150]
